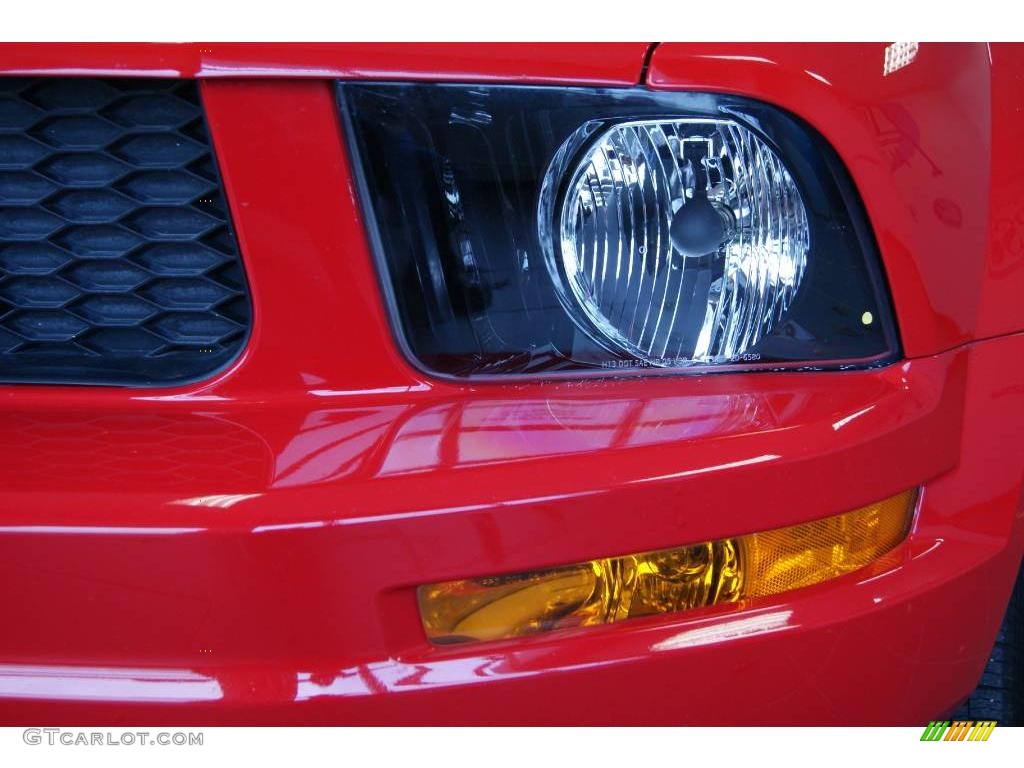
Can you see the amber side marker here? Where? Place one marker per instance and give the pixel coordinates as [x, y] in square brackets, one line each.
[664, 581]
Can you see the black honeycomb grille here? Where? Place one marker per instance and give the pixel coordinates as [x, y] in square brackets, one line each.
[117, 260]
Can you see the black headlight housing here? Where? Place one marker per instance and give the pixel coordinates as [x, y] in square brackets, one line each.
[463, 186]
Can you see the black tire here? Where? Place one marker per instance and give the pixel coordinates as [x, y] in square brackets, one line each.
[1000, 693]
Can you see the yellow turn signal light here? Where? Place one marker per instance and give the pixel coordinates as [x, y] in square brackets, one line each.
[664, 581]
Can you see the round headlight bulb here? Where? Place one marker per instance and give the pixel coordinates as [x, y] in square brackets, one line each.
[679, 241]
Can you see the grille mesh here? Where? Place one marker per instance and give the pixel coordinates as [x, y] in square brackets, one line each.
[117, 260]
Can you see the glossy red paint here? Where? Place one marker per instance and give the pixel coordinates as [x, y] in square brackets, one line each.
[1001, 307]
[246, 550]
[580, 63]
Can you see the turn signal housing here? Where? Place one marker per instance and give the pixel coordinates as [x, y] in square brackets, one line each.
[665, 581]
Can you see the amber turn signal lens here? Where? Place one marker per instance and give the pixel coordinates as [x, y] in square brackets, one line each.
[664, 581]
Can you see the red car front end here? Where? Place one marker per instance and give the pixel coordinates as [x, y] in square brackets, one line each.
[248, 548]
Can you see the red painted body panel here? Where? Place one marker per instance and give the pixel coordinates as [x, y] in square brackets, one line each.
[579, 63]
[1001, 309]
[246, 549]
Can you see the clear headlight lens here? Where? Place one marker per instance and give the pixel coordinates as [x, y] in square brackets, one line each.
[565, 230]
[681, 241]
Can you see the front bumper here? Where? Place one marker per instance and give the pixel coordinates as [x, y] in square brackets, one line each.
[288, 596]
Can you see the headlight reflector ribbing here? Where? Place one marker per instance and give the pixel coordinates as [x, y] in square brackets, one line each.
[681, 241]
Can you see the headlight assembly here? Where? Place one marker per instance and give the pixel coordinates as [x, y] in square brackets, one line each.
[549, 230]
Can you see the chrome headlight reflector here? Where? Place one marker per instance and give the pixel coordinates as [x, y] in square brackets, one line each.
[681, 241]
